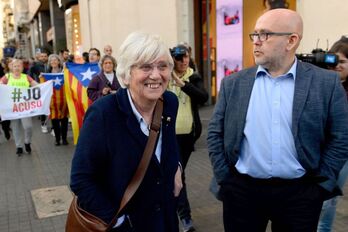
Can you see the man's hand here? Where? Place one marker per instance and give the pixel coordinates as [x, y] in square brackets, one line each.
[177, 182]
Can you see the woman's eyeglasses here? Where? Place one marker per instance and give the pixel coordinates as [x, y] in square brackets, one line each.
[148, 68]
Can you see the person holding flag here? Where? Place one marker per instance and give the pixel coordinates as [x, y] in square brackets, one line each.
[19, 79]
[76, 80]
[58, 106]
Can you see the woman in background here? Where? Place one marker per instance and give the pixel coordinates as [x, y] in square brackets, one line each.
[105, 82]
[340, 48]
[6, 123]
[187, 85]
[19, 79]
[58, 106]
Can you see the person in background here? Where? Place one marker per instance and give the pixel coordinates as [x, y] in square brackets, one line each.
[5, 128]
[187, 85]
[72, 58]
[64, 55]
[108, 50]
[18, 79]
[328, 211]
[6, 123]
[113, 138]
[192, 63]
[35, 71]
[85, 57]
[59, 112]
[93, 55]
[274, 4]
[278, 136]
[2, 67]
[39, 66]
[2, 73]
[105, 82]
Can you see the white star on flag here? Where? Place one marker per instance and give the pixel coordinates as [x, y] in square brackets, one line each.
[57, 81]
[88, 74]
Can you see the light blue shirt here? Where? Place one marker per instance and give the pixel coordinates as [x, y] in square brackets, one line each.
[145, 128]
[268, 148]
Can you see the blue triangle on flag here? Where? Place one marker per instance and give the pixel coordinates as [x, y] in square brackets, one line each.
[83, 72]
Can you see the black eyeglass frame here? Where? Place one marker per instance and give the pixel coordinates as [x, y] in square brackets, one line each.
[266, 35]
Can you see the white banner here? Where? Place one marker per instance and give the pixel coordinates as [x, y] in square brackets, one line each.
[18, 103]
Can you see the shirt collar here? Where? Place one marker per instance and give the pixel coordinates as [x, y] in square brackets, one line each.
[135, 111]
[291, 73]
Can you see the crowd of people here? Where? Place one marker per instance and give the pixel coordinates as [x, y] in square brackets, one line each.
[22, 73]
[277, 139]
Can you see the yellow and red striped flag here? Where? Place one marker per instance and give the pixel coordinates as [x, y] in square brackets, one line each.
[58, 106]
[77, 78]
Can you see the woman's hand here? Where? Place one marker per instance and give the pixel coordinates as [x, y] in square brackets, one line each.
[177, 182]
[106, 90]
[178, 82]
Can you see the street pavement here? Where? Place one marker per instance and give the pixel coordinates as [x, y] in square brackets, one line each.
[49, 166]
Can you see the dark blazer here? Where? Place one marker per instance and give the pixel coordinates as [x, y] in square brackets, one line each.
[107, 154]
[98, 83]
[36, 69]
[319, 122]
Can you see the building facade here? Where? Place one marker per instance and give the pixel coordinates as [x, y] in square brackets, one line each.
[29, 25]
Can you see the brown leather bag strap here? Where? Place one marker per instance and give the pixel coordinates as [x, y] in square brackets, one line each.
[145, 160]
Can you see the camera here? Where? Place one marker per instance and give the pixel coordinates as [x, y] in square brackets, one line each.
[320, 58]
[178, 52]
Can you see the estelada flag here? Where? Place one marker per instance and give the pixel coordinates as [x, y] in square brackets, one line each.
[76, 79]
[58, 106]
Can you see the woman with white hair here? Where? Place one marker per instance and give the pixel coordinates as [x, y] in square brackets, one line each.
[58, 107]
[113, 138]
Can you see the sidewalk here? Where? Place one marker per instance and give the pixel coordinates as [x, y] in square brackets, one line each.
[49, 166]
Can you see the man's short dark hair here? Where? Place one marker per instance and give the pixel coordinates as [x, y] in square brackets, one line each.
[64, 50]
[94, 49]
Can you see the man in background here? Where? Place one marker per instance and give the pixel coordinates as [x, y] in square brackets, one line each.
[93, 55]
[108, 50]
[64, 55]
[35, 70]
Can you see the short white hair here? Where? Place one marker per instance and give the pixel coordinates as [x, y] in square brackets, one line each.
[140, 48]
[51, 57]
[17, 61]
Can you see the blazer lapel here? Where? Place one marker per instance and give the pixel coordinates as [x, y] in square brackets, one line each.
[132, 123]
[165, 125]
[302, 84]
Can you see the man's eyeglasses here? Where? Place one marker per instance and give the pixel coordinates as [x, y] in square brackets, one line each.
[263, 36]
[148, 68]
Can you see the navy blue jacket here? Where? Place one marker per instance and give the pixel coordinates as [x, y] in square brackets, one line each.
[108, 152]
